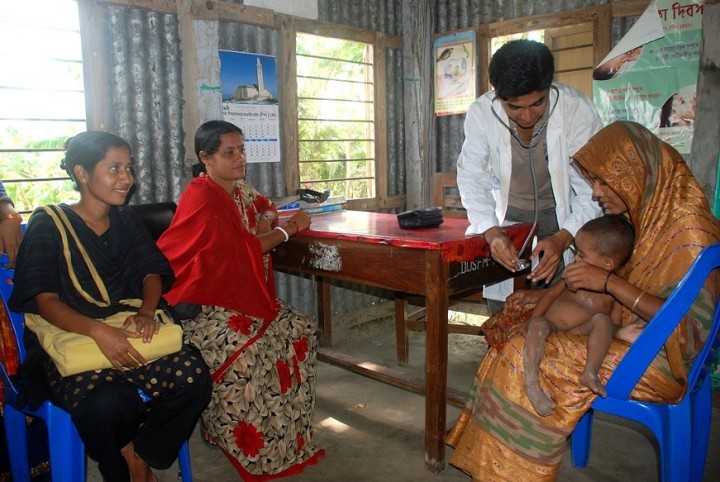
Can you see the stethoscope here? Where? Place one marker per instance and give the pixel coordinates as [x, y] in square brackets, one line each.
[534, 141]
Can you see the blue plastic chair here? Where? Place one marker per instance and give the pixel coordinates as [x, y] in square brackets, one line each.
[682, 430]
[67, 451]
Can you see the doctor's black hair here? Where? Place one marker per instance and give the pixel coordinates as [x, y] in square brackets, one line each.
[521, 67]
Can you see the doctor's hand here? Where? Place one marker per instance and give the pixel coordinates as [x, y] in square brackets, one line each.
[501, 248]
[552, 249]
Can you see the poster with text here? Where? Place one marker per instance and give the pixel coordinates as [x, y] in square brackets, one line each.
[454, 73]
[250, 101]
[650, 77]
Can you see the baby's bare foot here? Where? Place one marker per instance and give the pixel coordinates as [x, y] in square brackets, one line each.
[591, 380]
[542, 404]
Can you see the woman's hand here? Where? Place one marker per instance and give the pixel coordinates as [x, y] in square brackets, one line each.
[502, 250]
[289, 228]
[584, 276]
[265, 222]
[552, 249]
[301, 220]
[145, 325]
[114, 344]
[524, 300]
[10, 233]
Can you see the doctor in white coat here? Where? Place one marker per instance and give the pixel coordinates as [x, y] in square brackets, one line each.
[516, 161]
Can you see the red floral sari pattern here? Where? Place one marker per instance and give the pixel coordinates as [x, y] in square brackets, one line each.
[301, 348]
[284, 376]
[261, 409]
[300, 442]
[240, 323]
[8, 347]
[248, 439]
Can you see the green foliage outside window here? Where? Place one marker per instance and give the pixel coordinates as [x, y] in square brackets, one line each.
[41, 98]
[335, 116]
[39, 167]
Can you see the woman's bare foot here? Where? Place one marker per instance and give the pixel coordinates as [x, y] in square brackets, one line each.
[140, 471]
[208, 439]
[542, 404]
[591, 380]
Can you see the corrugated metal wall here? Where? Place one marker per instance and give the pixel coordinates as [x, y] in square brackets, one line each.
[379, 15]
[145, 97]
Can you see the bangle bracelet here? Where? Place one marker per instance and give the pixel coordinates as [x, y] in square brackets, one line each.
[606, 281]
[636, 301]
[13, 216]
[285, 233]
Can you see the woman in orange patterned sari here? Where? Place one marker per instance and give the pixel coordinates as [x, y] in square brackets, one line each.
[499, 436]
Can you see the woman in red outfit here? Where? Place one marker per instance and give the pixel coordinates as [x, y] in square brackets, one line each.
[261, 352]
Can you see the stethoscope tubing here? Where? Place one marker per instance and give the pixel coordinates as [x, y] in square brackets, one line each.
[529, 146]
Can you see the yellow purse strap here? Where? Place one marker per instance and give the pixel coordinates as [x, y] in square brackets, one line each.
[65, 227]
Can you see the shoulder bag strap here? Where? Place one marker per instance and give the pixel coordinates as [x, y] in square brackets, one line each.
[65, 227]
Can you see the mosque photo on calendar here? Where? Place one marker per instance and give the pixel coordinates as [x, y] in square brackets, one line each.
[248, 78]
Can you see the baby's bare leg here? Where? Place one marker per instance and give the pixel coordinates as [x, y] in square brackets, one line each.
[599, 332]
[537, 332]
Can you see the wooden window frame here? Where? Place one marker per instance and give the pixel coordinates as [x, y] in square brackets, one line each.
[289, 28]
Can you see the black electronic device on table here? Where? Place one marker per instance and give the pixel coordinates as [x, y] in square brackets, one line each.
[311, 196]
[420, 218]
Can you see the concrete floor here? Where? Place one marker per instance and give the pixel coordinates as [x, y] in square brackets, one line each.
[374, 432]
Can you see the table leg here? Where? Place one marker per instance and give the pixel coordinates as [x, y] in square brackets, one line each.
[324, 311]
[436, 346]
[401, 344]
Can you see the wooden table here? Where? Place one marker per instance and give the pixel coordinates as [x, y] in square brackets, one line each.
[371, 249]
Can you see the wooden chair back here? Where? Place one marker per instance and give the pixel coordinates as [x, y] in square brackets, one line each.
[447, 196]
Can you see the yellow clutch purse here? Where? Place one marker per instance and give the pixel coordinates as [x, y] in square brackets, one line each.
[74, 353]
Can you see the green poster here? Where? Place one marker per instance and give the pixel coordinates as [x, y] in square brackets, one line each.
[651, 75]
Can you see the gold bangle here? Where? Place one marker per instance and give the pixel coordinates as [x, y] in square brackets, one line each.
[13, 216]
[636, 301]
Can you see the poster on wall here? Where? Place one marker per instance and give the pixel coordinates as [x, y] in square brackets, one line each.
[250, 101]
[650, 77]
[454, 73]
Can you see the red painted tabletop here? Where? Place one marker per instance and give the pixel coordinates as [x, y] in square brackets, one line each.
[382, 228]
